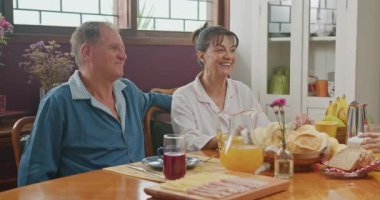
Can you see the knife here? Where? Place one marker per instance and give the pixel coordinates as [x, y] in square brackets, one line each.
[146, 171]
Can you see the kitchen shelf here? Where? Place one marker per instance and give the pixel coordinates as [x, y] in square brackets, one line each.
[327, 38]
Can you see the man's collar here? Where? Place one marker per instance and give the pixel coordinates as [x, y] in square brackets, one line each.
[79, 91]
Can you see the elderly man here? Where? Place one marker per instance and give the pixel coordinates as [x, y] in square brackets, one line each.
[95, 119]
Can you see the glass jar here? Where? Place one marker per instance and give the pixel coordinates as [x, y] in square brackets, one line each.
[283, 163]
[237, 152]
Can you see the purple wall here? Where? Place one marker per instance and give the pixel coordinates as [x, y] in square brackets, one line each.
[147, 66]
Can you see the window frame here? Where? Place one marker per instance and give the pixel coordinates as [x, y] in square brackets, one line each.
[31, 33]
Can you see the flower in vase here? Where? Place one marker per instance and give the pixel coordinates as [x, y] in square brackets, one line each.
[278, 107]
[48, 64]
[6, 28]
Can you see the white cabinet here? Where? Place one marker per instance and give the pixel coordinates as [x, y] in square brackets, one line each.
[333, 41]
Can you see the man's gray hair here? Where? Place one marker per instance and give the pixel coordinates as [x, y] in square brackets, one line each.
[88, 33]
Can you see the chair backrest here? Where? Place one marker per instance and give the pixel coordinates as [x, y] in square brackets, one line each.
[156, 124]
[20, 128]
[164, 91]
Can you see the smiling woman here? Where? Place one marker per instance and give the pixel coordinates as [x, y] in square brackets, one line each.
[195, 106]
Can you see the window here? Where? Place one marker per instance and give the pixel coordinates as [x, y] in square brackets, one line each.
[149, 19]
[173, 15]
[70, 13]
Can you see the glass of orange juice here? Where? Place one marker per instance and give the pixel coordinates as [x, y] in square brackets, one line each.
[237, 151]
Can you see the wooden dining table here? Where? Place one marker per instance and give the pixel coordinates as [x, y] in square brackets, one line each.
[102, 184]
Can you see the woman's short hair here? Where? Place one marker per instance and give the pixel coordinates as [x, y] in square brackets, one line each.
[206, 35]
[89, 33]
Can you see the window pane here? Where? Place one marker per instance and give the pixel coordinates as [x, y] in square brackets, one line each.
[39, 4]
[103, 18]
[145, 23]
[184, 9]
[153, 8]
[64, 19]
[191, 26]
[169, 24]
[182, 15]
[68, 12]
[82, 6]
[108, 7]
[205, 10]
[26, 17]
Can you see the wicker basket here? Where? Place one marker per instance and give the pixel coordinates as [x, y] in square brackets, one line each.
[341, 135]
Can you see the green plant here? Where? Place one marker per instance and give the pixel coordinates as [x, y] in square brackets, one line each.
[145, 16]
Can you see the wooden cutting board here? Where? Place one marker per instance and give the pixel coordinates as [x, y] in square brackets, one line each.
[273, 185]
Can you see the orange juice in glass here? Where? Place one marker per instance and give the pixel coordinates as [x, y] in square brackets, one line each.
[242, 157]
[222, 138]
[237, 152]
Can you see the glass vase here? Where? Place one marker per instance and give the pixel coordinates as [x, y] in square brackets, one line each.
[283, 164]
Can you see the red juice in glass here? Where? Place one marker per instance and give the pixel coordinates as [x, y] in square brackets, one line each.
[174, 165]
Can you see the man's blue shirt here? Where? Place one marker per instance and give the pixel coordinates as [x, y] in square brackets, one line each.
[74, 133]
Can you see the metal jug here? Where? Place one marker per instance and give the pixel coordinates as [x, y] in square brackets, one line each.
[357, 118]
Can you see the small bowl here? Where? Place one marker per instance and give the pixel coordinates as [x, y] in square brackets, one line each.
[302, 161]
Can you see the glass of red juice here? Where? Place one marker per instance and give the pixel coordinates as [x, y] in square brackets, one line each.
[174, 156]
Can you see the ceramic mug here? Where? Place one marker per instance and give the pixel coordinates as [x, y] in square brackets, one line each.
[321, 88]
[331, 88]
[173, 154]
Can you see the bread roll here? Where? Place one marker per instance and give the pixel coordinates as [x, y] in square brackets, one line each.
[306, 127]
[258, 137]
[334, 144]
[302, 142]
[274, 134]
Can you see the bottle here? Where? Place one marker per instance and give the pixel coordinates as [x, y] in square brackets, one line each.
[357, 118]
[283, 163]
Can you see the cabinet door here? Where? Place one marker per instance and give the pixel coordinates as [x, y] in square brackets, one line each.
[319, 63]
[278, 68]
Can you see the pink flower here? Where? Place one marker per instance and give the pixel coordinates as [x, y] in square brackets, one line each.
[7, 27]
[278, 102]
[280, 116]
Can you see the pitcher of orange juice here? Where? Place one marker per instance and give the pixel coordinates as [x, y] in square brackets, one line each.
[237, 152]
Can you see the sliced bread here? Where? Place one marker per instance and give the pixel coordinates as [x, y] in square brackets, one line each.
[351, 159]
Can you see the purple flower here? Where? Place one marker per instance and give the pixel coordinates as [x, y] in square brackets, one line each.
[47, 63]
[40, 44]
[278, 102]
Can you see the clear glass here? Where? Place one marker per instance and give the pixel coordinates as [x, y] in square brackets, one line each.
[237, 152]
[322, 48]
[174, 156]
[372, 128]
[279, 32]
[283, 164]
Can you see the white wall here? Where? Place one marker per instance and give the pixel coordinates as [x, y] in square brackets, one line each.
[368, 57]
[241, 25]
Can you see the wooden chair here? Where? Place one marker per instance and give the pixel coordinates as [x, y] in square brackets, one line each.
[156, 124]
[22, 127]
[164, 91]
